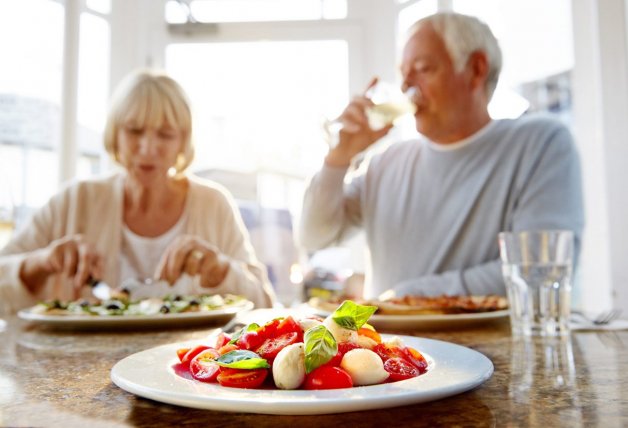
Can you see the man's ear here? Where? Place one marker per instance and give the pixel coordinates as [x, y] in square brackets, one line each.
[478, 67]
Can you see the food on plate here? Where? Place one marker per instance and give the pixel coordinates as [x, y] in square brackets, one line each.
[170, 304]
[364, 366]
[340, 351]
[425, 305]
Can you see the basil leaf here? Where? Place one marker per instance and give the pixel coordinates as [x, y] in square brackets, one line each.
[320, 347]
[238, 334]
[351, 315]
[242, 359]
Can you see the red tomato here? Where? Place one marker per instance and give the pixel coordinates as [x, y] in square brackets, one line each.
[222, 340]
[416, 358]
[400, 369]
[239, 378]
[343, 348]
[289, 325]
[386, 351]
[271, 347]
[185, 361]
[269, 329]
[181, 353]
[328, 377]
[203, 367]
[250, 340]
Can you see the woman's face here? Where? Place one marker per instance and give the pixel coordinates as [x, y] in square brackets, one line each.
[149, 152]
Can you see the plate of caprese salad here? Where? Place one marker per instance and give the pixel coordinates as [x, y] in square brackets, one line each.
[293, 366]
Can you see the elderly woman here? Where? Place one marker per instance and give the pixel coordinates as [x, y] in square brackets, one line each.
[151, 220]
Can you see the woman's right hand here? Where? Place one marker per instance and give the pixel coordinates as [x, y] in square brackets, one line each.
[70, 256]
[356, 135]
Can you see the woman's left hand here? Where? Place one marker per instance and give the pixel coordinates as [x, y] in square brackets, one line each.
[188, 254]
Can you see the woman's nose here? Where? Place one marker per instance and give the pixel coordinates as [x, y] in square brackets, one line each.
[146, 143]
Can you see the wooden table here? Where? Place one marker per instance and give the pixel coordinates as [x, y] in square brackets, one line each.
[61, 378]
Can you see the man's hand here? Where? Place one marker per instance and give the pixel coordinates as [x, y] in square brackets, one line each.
[356, 134]
[188, 254]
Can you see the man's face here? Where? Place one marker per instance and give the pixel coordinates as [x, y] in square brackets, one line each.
[445, 96]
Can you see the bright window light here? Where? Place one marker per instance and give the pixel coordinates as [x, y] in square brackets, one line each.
[257, 10]
[100, 6]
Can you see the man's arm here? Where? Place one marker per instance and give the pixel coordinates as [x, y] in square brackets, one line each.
[478, 280]
[327, 210]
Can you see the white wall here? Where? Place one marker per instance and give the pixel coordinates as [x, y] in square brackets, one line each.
[601, 129]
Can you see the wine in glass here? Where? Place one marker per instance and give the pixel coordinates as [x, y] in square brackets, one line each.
[390, 103]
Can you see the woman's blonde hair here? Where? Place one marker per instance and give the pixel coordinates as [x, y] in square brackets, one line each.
[150, 98]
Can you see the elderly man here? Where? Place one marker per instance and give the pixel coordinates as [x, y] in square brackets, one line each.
[432, 208]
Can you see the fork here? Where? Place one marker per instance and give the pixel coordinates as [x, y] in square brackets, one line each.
[603, 318]
[607, 316]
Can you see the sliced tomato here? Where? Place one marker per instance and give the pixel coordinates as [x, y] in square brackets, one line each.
[271, 347]
[203, 366]
[181, 353]
[239, 378]
[289, 325]
[222, 340]
[400, 369]
[193, 352]
[386, 351]
[250, 340]
[343, 348]
[370, 333]
[416, 358]
[269, 329]
[328, 377]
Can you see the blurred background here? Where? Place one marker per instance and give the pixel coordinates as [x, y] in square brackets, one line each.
[263, 75]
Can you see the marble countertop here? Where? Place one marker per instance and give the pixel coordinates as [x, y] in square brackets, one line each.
[62, 378]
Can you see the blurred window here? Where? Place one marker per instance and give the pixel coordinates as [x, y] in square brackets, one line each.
[255, 10]
[31, 46]
[259, 107]
[538, 54]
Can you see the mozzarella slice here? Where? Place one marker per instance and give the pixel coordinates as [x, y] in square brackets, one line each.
[341, 334]
[308, 323]
[366, 342]
[289, 367]
[364, 366]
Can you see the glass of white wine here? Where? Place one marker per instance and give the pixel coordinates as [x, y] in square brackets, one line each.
[390, 103]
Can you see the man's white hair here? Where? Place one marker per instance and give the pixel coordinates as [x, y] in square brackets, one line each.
[463, 35]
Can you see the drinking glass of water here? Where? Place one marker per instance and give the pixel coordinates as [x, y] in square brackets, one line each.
[537, 268]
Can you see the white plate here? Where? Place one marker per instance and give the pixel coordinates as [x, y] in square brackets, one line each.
[429, 322]
[452, 369]
[125, 321]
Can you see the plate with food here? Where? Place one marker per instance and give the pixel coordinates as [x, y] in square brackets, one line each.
[303, 366]
[427, 312]
[171, 310]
